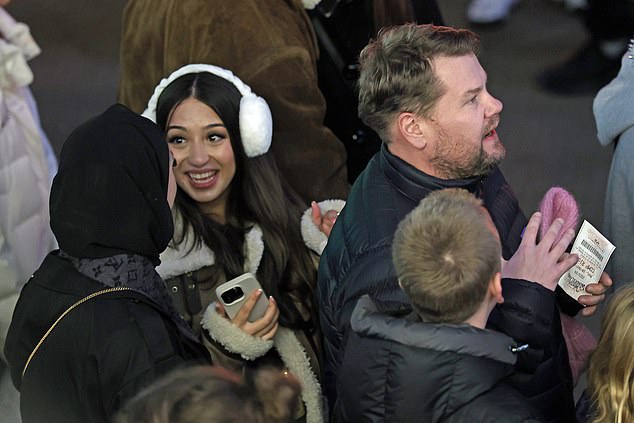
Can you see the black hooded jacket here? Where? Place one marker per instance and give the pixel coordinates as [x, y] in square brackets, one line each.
[109, 198]
[403, 370]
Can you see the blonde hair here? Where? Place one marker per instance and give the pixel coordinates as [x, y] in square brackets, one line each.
[445, 256]
[612, 363]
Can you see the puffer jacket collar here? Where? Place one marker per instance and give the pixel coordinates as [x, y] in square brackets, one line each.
[414, 183]
[495, 193]
[486, 357]
[368, 320]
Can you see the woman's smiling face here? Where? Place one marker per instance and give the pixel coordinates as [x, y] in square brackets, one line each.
[206, 165]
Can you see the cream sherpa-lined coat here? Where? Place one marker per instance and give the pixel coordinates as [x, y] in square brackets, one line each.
[192, 282]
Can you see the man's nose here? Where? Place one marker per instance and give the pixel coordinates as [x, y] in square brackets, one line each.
[495, 106]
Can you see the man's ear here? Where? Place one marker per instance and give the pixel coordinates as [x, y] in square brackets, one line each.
[412, 128]
[495, 288]
[400, 284]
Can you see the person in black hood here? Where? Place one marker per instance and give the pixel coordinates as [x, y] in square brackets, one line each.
[95, 323]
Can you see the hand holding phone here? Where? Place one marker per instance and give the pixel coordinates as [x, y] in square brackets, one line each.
[247, 306]
[234, 293]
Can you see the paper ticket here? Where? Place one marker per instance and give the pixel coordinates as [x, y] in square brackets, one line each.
[594, 251]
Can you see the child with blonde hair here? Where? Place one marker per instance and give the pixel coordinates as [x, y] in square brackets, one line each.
[609, 396]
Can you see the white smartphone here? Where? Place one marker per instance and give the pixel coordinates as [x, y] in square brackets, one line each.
[234, 293]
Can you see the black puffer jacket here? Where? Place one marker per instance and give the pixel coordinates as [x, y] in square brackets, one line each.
[101, 354]
[358, 261]
[402, 370]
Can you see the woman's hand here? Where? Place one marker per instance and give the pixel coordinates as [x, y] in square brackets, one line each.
[265, 327]
[324, 222]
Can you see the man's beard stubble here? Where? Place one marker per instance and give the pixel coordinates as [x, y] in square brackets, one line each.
[477, 165]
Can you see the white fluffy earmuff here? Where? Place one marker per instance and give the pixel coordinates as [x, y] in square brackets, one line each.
[256, 123]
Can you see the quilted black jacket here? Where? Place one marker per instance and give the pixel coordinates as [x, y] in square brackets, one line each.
[399, 369]
[98, 356]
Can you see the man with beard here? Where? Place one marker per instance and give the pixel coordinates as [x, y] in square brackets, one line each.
[423, 90]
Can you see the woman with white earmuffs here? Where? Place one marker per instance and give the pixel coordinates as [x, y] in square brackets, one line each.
[235, 214]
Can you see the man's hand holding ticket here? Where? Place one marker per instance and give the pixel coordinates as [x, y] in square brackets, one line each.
[594, 251]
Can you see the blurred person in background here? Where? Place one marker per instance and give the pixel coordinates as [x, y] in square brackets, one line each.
[614, 115]
[27, 165]
[204, 394]
[343, 28]
[608, 24]
[494, 12]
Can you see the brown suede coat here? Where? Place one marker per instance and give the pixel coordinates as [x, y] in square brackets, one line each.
[270, 45]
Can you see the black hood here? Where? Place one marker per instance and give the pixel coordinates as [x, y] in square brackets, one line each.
[109, 195]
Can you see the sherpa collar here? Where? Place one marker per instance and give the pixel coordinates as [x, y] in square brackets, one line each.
[177, 260]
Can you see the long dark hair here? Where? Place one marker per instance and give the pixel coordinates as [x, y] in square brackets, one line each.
[259, 195]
